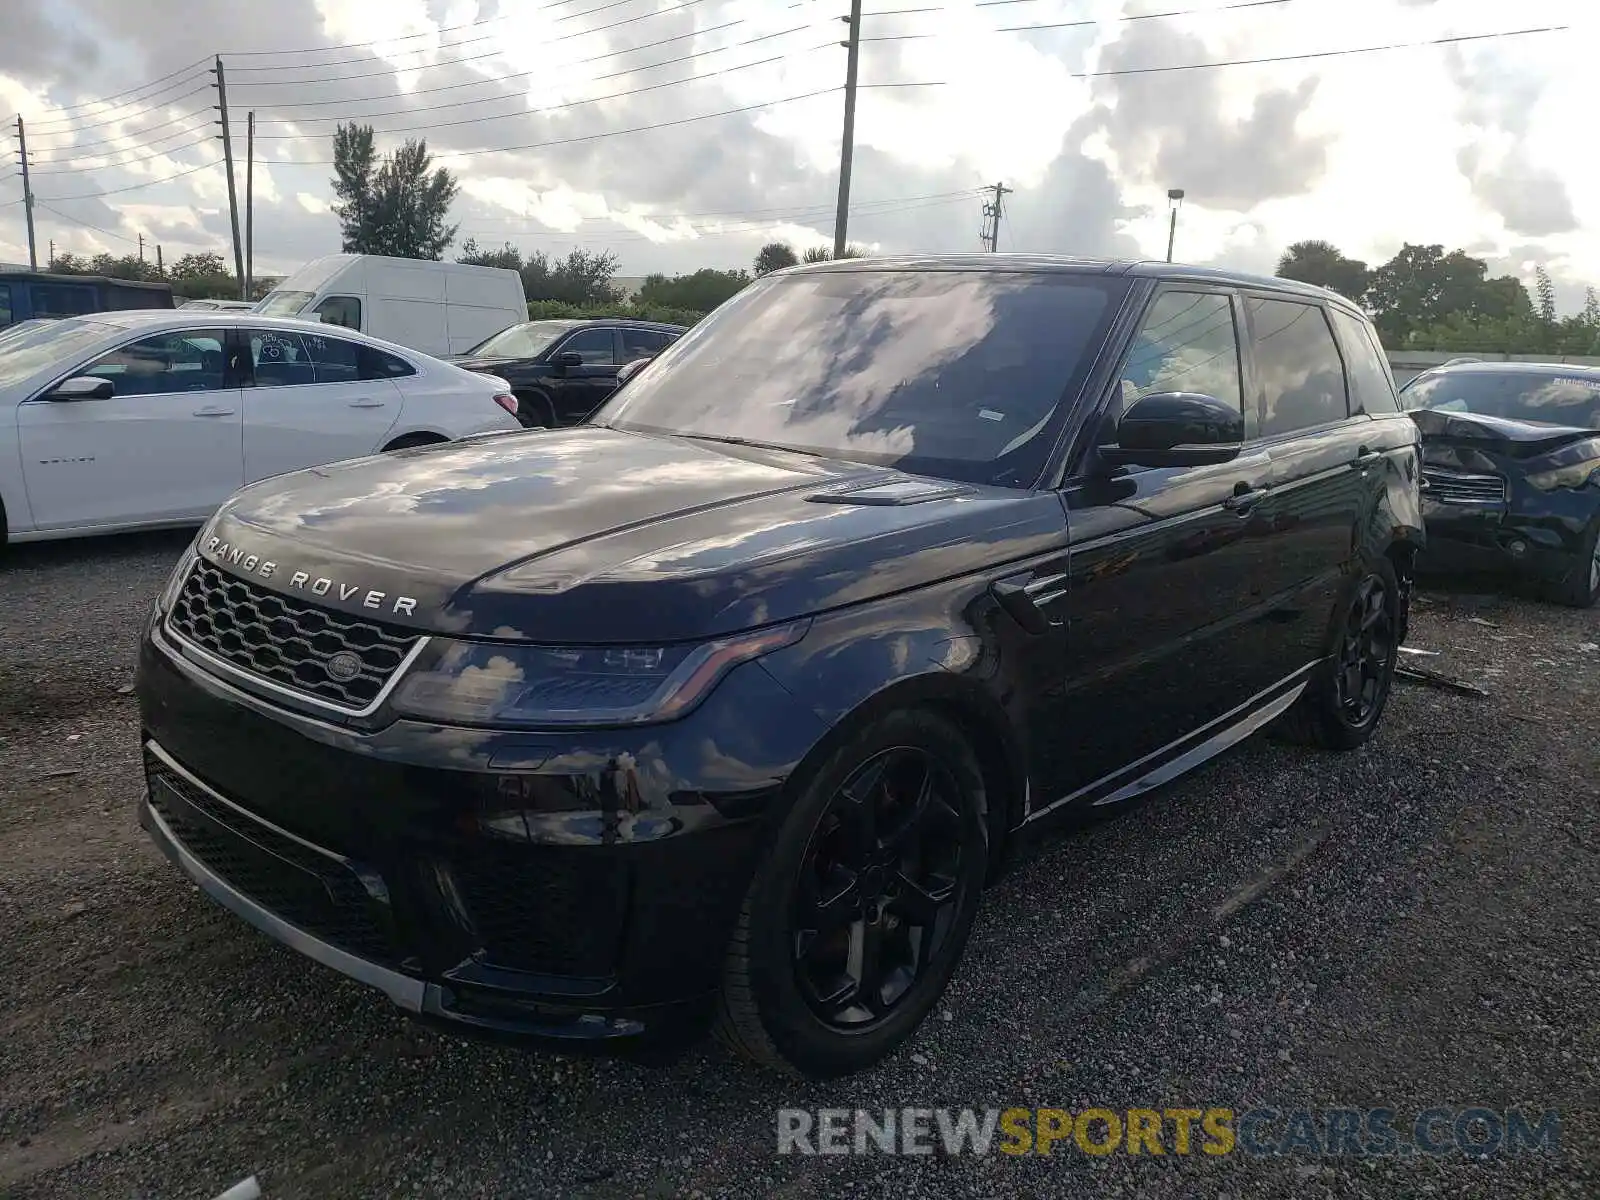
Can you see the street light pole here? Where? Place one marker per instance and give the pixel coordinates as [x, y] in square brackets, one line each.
[1175, 201]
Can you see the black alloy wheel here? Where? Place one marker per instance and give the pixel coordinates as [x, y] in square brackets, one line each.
[1344, 699]
[1366, 653]
[859, 912]
[878, 888]
[1581, 588]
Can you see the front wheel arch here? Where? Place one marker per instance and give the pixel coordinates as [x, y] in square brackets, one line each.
[975, 714]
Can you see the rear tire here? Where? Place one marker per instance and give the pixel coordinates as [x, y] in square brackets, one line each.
[1344, 700]
[412, 440]
[1581, 588]
[858, 916]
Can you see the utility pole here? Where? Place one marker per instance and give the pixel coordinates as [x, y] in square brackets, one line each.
[141, 249]
[52, 253]
[847, 145]
[249, 201]
[227, 156]
[161, 267]
[27, 193]
[992, 212]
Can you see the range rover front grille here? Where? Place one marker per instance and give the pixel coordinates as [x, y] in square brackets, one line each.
[1457, 487]
[285, 641]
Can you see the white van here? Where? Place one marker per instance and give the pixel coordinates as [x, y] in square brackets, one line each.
[439, 308]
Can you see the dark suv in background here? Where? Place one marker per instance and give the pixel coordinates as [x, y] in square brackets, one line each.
[725, 704]
[561, 371]
[33, 295]
[1511, 472]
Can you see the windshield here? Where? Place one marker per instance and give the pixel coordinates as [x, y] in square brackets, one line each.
[55, 343]
[1568, 400]
[955, 374]
[522, 341]
[284, 304]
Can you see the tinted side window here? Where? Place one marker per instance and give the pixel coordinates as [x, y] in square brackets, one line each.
[594, 345]
[5, 305]
[379, 364]
[1187, 343]
[641, 343]
[280, 359]
[1302, 376]
[62, 300]
[167, 362]
[344, 311]
[1371, 381]
[333, 360]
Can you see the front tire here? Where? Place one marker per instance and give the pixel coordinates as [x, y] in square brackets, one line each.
[1345, 698]
[1581, 589]
[855, 922]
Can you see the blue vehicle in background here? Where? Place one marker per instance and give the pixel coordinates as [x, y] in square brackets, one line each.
[26, 295]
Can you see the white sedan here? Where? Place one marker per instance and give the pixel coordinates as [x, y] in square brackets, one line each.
[140, 420]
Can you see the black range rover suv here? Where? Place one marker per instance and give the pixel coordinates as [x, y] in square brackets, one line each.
[725, 704]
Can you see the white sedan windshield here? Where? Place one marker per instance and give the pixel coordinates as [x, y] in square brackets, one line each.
[59, 342]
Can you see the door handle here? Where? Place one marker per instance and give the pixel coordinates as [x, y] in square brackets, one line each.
[1245, 498]
[213, 411]
[366, 404]
[1364, 458]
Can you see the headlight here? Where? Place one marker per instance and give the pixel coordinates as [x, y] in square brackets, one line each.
[1573, 475]
[500, 684]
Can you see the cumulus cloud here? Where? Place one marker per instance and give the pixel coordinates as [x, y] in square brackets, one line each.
[577, 127]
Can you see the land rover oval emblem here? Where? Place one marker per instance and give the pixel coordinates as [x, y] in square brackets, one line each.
[343, 667]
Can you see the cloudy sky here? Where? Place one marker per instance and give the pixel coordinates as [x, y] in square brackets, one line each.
[685, 133]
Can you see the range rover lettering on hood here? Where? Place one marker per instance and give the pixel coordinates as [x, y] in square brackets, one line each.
[320, 585]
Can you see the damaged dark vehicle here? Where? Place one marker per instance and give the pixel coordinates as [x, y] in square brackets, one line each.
[724, 705]
[1511, 470]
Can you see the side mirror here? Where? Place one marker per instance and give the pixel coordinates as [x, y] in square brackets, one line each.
[1176, 429]
[566, 359]
[81, 387]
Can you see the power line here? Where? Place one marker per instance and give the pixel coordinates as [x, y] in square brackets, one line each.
[342, 116]
[126, 96]
[74, 220]
[136, 187]
[76, 147]
[591, 137]
[391, 69]
[124, 119]
[552, 108]
[1185, 12]
[135, 153]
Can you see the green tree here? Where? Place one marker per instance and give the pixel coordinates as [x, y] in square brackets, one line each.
[1422, 286]
[582, 278]
[700, 292]
[507, 257]
[71, 264]
[824, 254]
[198, 266]
[1322, 263]
[355, 166]
[398, 207]
[774, 256]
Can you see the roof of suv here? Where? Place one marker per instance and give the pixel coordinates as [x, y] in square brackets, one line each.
[1066, 264]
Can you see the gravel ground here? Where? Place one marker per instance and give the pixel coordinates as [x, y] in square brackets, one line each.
[1414, 924]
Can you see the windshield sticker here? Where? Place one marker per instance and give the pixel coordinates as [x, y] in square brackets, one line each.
[989, 414]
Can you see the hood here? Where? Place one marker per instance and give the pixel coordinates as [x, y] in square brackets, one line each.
[590, 534]
[1493, 435]
[483, 362]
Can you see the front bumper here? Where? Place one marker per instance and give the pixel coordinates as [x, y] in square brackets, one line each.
[1536, 535]
[574, 889]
